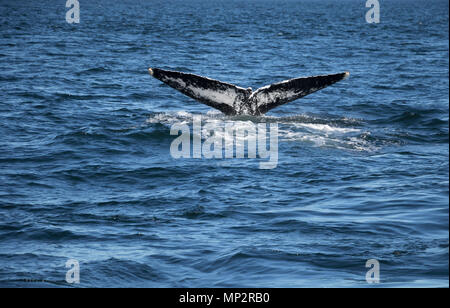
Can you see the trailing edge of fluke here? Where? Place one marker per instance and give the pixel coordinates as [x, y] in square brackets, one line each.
[234, 100]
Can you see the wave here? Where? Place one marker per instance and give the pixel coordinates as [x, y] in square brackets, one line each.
[93, 70]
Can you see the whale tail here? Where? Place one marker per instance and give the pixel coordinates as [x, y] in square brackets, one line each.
[231, 99]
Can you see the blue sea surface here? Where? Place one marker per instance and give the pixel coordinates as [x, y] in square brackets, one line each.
[86, 171]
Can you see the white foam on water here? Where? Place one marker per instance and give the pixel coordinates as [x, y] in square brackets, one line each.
[337, 140]
[170, 118]
[228, 136]
[291, 129]
[326, 128]
[214, 112]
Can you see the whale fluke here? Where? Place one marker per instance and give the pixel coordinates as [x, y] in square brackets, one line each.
[280, 93]
[234, 100]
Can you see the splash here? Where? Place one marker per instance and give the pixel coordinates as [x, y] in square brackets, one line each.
[338, 133]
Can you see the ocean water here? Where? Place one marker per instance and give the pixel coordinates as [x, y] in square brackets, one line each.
[86, 171]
